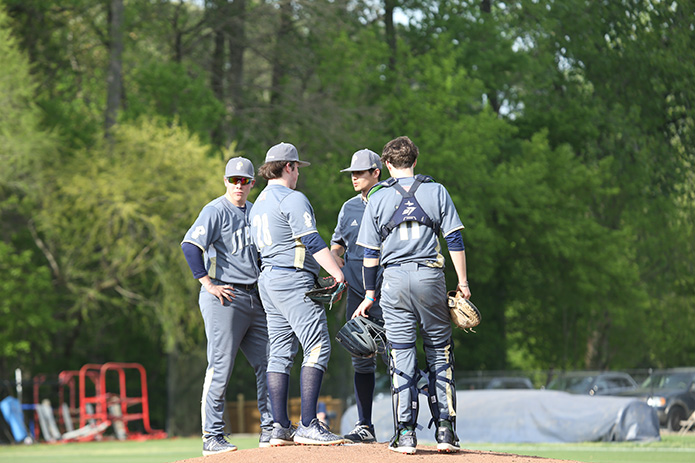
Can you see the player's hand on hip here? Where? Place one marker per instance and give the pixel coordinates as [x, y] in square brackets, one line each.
[220, 292]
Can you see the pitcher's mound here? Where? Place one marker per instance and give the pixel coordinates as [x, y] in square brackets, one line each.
[362, 453]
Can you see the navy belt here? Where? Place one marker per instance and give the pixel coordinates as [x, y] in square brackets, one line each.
[288, 269]
[236, 285]
[408, 266]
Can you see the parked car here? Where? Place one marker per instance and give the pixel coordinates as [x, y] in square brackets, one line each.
[593, 382]
[499, 382]
[671, 392]
[383, 384]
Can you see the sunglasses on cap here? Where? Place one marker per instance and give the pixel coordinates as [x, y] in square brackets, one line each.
[239, 180]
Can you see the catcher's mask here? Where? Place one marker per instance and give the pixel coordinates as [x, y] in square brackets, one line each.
[363, 337]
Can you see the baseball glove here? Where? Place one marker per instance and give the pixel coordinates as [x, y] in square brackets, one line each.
[463, 313]
[326, 291]
[363, 337]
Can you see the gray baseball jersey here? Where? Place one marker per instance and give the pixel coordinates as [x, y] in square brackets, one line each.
[411, 241]
[413, 292]
[279, 219]
[345, 235]
[222, 232]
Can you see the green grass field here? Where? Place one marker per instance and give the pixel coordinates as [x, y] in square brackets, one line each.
[671, 449]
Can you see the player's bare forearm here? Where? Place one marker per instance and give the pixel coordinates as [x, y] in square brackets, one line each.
[337, 251]
[458, 258]
[325, 259]
[365, 305]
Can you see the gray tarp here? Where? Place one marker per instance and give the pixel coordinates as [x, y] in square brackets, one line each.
[522, 415]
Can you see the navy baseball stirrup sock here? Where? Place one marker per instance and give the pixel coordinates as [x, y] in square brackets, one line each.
[278, 389]
[310, 388]
[364, 393]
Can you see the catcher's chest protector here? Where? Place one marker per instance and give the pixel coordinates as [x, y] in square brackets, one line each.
[409, 210]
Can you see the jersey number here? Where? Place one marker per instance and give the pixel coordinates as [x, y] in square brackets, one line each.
[263, 238]
[409, 231]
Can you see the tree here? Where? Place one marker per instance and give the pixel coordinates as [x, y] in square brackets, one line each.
[113, 225]
[23, 141]
[26, 285]
[113, 77]
[617, 91]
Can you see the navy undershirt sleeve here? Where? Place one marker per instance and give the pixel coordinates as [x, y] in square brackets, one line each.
[194, 257]
[313, 242]
[371, 253]
[454, 241]
[369, 277]
[369, 273]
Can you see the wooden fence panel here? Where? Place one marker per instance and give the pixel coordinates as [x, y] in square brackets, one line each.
[243, 416]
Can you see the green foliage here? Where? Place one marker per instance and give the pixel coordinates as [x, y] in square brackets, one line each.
[115, 220]
[69, 58]
[26, 307]
[616, 91]
[21, 139]
[169, 91]
[563, 131]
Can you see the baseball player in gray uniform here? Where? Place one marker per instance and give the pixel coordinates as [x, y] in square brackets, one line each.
[401, 224]
[283, 228]
[219, 252]
[365, 171]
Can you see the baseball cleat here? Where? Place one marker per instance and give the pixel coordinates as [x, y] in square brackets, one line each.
[404, 441]
[447, 441]
[282, 436]
[217, 444]
[316, 434]
[362, 434]
[264, 438]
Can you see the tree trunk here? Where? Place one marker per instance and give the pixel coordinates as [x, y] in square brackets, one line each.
[237, 45]
[218, 14]
[217, 81]
[114, 77]
[279, 64]
[486, 7]
[389, 6]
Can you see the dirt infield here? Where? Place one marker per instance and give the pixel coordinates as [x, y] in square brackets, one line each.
[362, 454]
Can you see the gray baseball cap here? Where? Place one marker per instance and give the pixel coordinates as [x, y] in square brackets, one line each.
[239, 167]
[284, 152]
[364, 160]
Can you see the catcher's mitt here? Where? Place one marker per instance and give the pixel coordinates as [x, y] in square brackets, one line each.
[363, 337]
[463, 313]
[326, 291]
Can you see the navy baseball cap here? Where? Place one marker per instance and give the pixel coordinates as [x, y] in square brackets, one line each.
[239, 167]
[364, 160]
[284, 152]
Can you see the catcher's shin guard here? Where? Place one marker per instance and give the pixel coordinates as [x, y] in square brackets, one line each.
[441, 385]
[410, 385]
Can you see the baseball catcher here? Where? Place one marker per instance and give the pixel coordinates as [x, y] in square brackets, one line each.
[327, 291]
[464, 314]
[363, 337]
